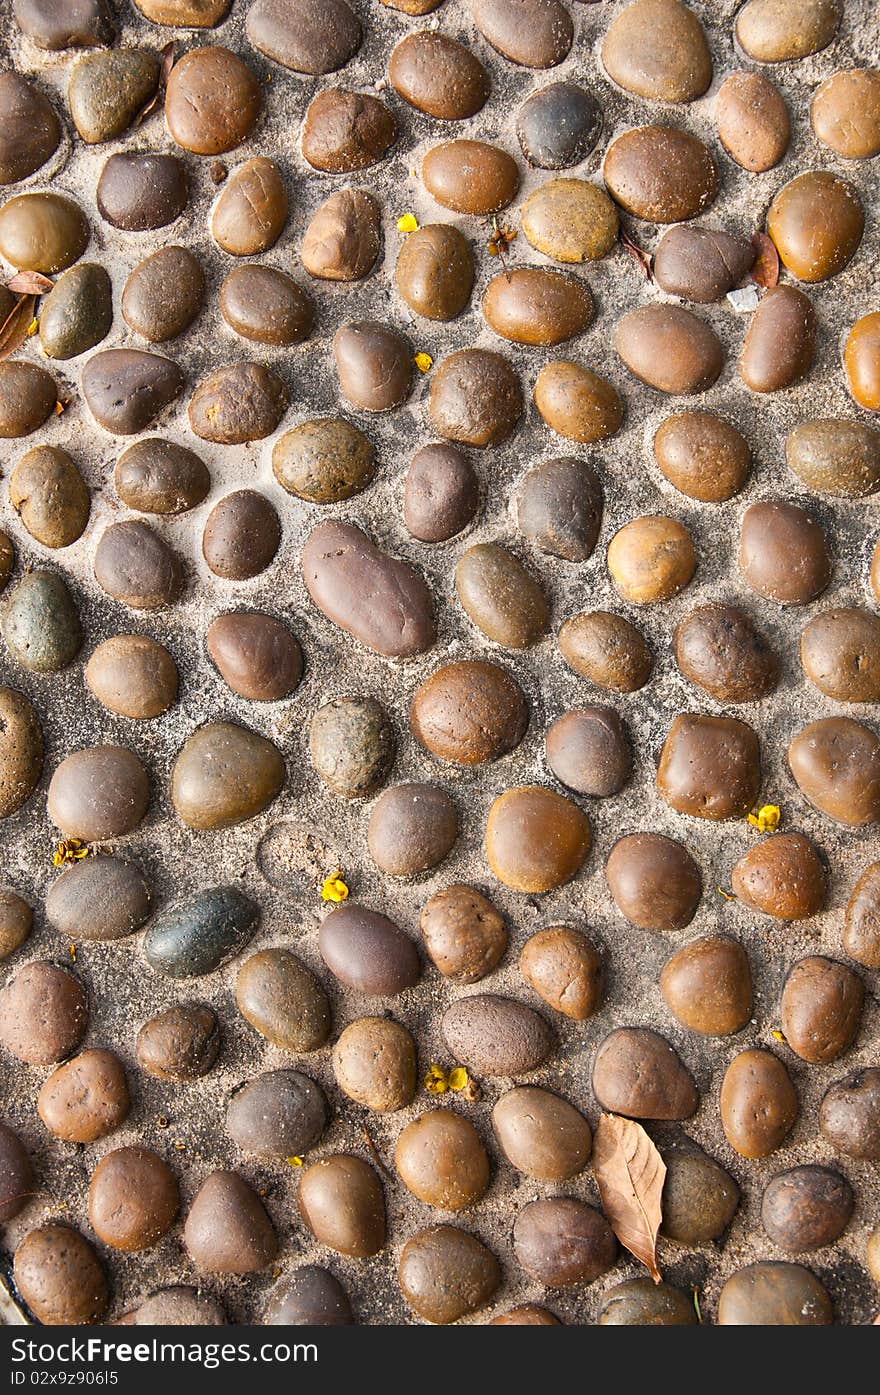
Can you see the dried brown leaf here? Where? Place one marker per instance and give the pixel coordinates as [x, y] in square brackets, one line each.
[765, 272]
[639, 255]
[159, 95]
[29, 283]
[14, 329]
[630, 1174]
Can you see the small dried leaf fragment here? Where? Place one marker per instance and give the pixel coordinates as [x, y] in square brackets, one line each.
[630, 1174]
[14, 329]
[29, 283]
[765, 272]
[158, 97]
[638, 254]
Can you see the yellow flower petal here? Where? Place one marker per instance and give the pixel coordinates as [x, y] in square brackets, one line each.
[780, 1036]
[458, 1078]
[33, 327]
[295, 1162]
[334, 888]
[408, 223]
[436, 1081]
[728, 895]
[767, 818]
[424, 362]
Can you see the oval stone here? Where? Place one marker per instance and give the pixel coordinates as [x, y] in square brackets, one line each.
[367, 952]
[141, 192]
[28, 396]
[250, 214]
[164, 294]
[441, 493]
[30, 132]
[777, 31]
[345, 131]
[107, 90]
[710, 767]
[100, 898]
[504, 600]
[862, 361]
[707, 986]
[126, 389]
[280, 1114]
[435, 271]
[42, 232]
[98, 793]
[439, 76]
[835, 456]
[265, 306]
[283, 1000]
[469, 712]
[475, 398]
[840, 653]
[719, 648]
[570, 220]
[536, 839]
[669, 348]
[783, 553]
[495, 1036]
[181, 1043]
[342, 241]
[352, 743]
[256, 655]
[77, 313]
[660, 173]
[558, 126]
[759, 1104]
[657, 49]
[236, 404]
[577, 403]
[412, 828]
[212, 101]
[533, 33]
[21, 750]
[781, 342]
[637, 1073]
[375, 365]
[196, 935]
[846, 113]
[41, 623]
[469, 176]
[535, 306]
[701, 264]
[703, 456]
[305, 35]
[836, 766]
[753, 121]
[133, 564]
[816, 222]
[821, 1008]
[161, 477]
[225, 774]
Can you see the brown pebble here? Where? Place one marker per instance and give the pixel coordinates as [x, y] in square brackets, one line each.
[469, 712]
[158, 476]
[654, 881]
[367, 952]
[435, 271]
[707, 986]
[849, 1115]
[85, 1099]
[562, 1241]
[861, 930]
[256, 655]
[441, 1160]
[589, 751]
[753, 121]
[559, 508]
[533, 305]
[16, 1173]
[181, 1043]
[446, 1273]
[16, 921]
[265, 306]
[502, 598]
[773, 1294]
[21, 750]
[164, 294]
[375, 365]
[133, 1199]
[783, 876]
[227, 1230]
[541, 1134]
[251, 212]
[135, 565]
[638, 1074]
[341, 243]
[212, 101]
[669, 348]
[225, 774]
[657, 49]
[283, 1000]
[342, 1203]
[836, 765]
[495, 1036]
[441, 493]
[607, 650]
[660, 173]
[845, 113]
[566, 971]
[236, 404]
[98, 793]
[721, 650]
[133, 676]
[577, 403]
[465, 935]
[470, 176]
[374, 1062]
[44, 1013]
[570, 220]
[759, 1104]
[475, 398]
[710, 767]
[412, 828]
[806, 1208]
[345, 131]
[242, 535]
[778, 31]
[438, 76]
[781, 341]
[60, 1277]
[783, 553]
[821, 1008]
[816, 222]
[536, 840]
[651, 559]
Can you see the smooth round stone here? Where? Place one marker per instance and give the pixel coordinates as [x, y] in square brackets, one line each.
[654, 881]
[281, 1114]
[533, 305]
[562, 1241]
[309, 1297]
[345, 131]
[342, 1203]
[846, 113]
[642, 1303]
[526, 1315]
[541, 1134]
[181, 1043]
[49, 495]
[783, 553]
[533, 33]
[862, 361]
[412, 828]
[21, 750]
[133, 564]
[861, 931]
[806, 1208]
[59, 24]
[367, 952]
[44, 1014]
[227, 1230]
[161, 477]
[194, 936]
[41, 624]
[381, 601]
[141, 192]
[759, 1104]
[224, 775]
[127, 389]
[589, 751]
[374, 364]
[821, 1009]
[836, 766]
[374, 1062]
[781, 341]
[242, 535]
[16, 916]
[464, 934]
[265, 306]
[441, 493]
[342, 241]
[774, 1294]
[185, 14]
[536, 839]
[816, 222]
[566, 971]
[777, 31]
[707, 986]
[256, 655]
[99, 793]
[441, 1160]
[753, 121]
[413, 7]
[703, 456]
[212, 101]
[16, 1175]
[251, 212]
[28, 396]
[834, 456]
[660, 174]
[108, 89]
[607, 650]
[669, 348]
[496, 1036]
[42, 232]
[710, 767]
[133, 1199]
[475, 398]
[352, 745]
[657, 49]
[435, 271]
[576, 403]
[849, 1115]
[438, 76]
[651, 559]
[307, 36]
[164, 294]
[470, 176]
[840, 653]
[446, 1273]
[504, 600]
[30, 131]
[58, 1273]
[236, 404]
[558, 126]
[701, 264]
[77, 313]
[180, 1306]
[719, 649]
[100, 898]
[570, 220]
[638, 1074]
[469, 712]
[699, 1199]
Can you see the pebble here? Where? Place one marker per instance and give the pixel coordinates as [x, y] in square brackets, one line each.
[30, 131]
[532, 33]
[470, 176]
[16, 1174]
[644, 1303]
[561, 1241]
[239, 403]
[660, 173]
[44, 1014]
[374, 1062]
[638, 1074]
[753, 121]
[263, 305]
[60, 1277]
[255, 654]
[435, 271]
[541, 1134]
[772, 1293]
[446, 1273]
[133, 1199]
[164, 294]
[42, 232]
[703, 456]
[777, 31]
[181, 1043]
[862, 361]
[494, 1036]
[654, 881]
[849, 1115]
[759, 1104]
[242, 535]
[589, 751]
[669, 348]
[21, 750]
[464, 933]
[441, 1160]
[342, 1203]
[441, 493]
[342, 241]
[503, 599]
[700, 1198]
[352, 745]
[66, 23]
[227, 1230]
[47, 491]
[77, 313]
[566, 971]
[816, 222]
[577, 403]
[707, 986]
[162, 477]
[846, 113]
[720, 649]
[607, 650]
[783, 553]
[280, 1114]
[559, 508]
[185, 14]
[651, 559]
[526, 1315]
[213, 101]
[806, 1208]
[783, 876]
[107, 90]
[570, 220]
[99, 793]
[346, 131]
[412, 829]
[861, 931]
[283, 1000]
[251, 212]
[28, 396]
[225, 774]
[834, 456]
[821, 1008]
[475, 398]
[16, 916]
[533, 305]
[309, 1297]
[836, 765]
[374, 364]
[197, 934]
[127, 389]
[469, 712]
[536, 839]
[701, 264]
[558, 126]
[141, 192]
[367, 952]
[100, 898]
[657, 49]
[438, 76]
[85, 1099]
[304, 35]
[781, 342]
[710, 767]
[180, 1306]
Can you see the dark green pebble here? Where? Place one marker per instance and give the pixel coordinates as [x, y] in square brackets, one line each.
[197, 935]
[41, 624]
